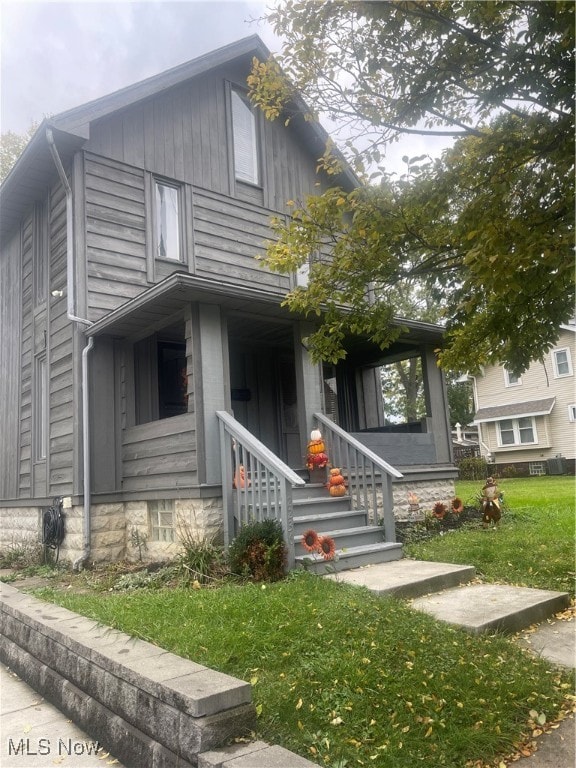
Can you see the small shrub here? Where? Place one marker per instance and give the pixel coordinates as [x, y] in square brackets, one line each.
[473, 468]
[22, 555]
[258, 551]
[202, 560]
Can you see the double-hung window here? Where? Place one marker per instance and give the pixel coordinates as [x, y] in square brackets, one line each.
[562, 362]
[517, 431]
[511, 379]
[167, 221]
[245, 139]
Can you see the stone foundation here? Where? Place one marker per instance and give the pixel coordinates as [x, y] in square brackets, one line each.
[116, 529]
[428, 493]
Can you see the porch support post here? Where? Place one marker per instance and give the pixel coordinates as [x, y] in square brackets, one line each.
[437, 406]
[211, 374]
[308, 383]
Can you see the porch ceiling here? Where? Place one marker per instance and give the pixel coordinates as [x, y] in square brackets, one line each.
[163, 302]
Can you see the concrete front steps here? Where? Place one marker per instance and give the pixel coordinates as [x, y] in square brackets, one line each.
[441, 590]
[357, 542]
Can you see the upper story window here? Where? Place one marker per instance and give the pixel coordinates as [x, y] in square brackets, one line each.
[167, 221]
[562, 362]
[517, 431]
[511, 379]
[245, 139]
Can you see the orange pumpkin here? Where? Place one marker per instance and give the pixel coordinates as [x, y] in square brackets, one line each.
[337, 490]
[316, 446]
[336, 480]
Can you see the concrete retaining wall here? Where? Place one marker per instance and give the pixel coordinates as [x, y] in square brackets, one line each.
[147, 707]
[150, 708]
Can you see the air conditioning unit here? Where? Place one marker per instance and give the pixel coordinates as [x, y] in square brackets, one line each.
[556, 466]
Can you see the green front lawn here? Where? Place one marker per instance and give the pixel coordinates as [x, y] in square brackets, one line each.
[346, 678]
[534, 544]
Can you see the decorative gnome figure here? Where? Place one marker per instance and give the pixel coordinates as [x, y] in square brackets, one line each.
[336, 485]
[317, 459]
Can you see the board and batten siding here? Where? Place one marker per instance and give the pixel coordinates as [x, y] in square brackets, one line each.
[25, 448]
[10, 314]
[160, 455]
[60, 358]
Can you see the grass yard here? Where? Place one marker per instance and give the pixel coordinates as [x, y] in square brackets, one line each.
[346, 678]
[534, 545]
[343, 677]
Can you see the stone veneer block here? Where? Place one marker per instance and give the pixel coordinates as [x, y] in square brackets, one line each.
[147, 705]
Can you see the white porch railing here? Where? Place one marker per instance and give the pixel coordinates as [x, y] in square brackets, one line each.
[369, 477]
[256, 484]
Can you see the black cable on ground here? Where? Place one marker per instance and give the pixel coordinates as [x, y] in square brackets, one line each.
[53, 529]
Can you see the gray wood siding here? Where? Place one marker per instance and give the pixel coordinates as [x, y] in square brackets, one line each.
[183, 134]
[228, 236]
[60, 359]
[115, 234]
[160, 455]
[25, 468]
[10, 308]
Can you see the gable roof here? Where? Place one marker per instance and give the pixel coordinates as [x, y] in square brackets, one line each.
[34, 170]
[515, 410]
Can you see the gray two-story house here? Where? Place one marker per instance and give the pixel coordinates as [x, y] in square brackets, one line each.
[145, 354]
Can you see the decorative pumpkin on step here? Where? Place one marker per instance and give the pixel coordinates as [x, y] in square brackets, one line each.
[316, 461]
[316, 443]
[317, 457]
[336, 484]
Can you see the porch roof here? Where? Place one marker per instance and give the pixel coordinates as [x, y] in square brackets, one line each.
[515, 410]
[151, 309]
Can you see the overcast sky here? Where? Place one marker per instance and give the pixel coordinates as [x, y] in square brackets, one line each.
[57, 55]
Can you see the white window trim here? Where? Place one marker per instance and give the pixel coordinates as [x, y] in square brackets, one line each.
[557, 374]
[572, 412]
[508, 383]
[516, 429]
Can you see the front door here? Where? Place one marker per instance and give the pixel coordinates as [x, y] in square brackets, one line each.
[263, 387]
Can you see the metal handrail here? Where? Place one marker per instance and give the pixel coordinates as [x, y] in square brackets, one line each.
[369, 476]
[256, 484]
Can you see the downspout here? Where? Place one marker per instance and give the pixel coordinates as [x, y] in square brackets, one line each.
[71, 313]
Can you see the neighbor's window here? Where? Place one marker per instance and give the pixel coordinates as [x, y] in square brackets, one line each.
[161, 520]
[562, 362]
[245, 138]
[511, 379]
[517, 431]
[167, 221]
[537, 468]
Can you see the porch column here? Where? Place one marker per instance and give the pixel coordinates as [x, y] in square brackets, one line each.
[210, 365]
[437, 406]
[308, 383]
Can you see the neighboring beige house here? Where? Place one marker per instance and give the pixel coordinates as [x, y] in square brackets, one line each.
[529, 421]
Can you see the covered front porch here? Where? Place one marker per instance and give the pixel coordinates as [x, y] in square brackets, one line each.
[203, 381]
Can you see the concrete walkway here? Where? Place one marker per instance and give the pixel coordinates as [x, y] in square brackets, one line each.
[35, 734]
[542, 620]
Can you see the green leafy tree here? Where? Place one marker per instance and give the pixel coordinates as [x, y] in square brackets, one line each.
[488, 227]
[11, 147]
